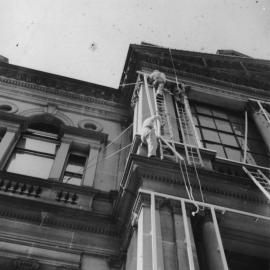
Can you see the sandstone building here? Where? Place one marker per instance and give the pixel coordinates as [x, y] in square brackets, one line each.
[77, 190]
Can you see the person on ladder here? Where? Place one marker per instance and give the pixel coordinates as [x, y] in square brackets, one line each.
[149, 136]
[158, 79]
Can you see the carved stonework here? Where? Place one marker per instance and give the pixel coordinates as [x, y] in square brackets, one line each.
[26, 264]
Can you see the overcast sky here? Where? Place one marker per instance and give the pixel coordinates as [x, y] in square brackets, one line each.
[57, 36]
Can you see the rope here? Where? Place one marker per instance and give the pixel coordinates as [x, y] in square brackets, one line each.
[176, 78]
[193, 160]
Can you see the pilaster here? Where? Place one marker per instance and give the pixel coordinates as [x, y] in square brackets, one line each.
[91, 166]
[8, 143]
[60, 159]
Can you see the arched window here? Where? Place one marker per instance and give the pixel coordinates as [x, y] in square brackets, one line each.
[36, 150]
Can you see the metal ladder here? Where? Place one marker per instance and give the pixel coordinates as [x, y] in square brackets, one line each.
[165, 129]
[188, 137]
[260, 180]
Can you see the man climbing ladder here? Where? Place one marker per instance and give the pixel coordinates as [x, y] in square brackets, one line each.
[149, 135]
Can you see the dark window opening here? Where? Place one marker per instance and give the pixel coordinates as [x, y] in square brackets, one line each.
[75, 169]
[224, 132]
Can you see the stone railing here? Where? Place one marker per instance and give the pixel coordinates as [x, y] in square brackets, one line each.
[57, 193]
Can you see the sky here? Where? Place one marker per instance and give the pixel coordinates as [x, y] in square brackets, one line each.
[89, 39]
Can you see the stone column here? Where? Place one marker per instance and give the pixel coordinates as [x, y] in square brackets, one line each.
[7, 144]
[91, 166]
[211, 245]
[168, 238]
[144, 245]
[181, 240]
[60, 160]
[263, 126]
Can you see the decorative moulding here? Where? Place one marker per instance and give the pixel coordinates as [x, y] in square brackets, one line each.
[8, 107]
[90, 125]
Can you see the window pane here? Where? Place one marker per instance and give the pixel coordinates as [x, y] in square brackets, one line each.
[76, 164]
[228, 139]
[216, 147]
[32, 165]
[238, 129]
[223, 125]
[210, 135]
[220, 114]
[195, 121]
[234, 154]
[37, 145]
[237, 118]
[203, 110]
[207, 121]
[73, 180]
[74, 168]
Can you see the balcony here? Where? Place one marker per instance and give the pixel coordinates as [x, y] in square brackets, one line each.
[21, 187]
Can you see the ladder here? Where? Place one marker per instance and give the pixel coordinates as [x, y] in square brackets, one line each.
[165, 128]
[188, 137]
[260, 180]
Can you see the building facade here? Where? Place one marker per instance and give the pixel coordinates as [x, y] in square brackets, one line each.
[78, 191]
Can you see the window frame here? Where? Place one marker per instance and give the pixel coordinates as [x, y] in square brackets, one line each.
[38, 136]
[70, 174]
[212, 112]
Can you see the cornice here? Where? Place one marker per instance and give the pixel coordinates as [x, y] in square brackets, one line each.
[100, 99]
[36, 79]
[167, 172]
[48, 219]
[206, 187]
[75, 104]
[215, 82]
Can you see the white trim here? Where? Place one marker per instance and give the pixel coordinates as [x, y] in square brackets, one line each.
[153, 233]
[187, 237]
[220, 245]
[217, 207]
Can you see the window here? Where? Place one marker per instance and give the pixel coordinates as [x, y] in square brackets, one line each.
[224, 131]
[74, 170]
[34, 154]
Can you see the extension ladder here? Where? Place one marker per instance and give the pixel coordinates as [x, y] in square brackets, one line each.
[165, 128]
[188, 137]
[260, 180]
[165, 131]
